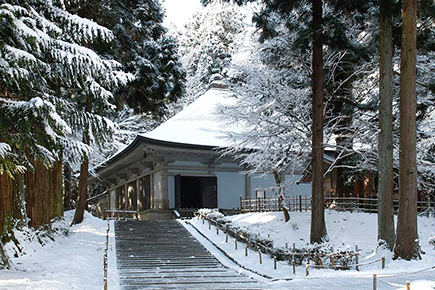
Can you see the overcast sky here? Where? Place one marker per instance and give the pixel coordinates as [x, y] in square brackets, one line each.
[179, 11]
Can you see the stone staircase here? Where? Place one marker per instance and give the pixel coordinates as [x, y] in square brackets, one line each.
[164, 255]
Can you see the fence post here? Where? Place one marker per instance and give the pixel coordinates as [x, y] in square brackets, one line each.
[294, 265]
[241, 204]
[274, 263]
[246, 251]
[226, 238]
[300, 203]
[259, 256]
[307, 271]
[408, 285]
[383, 262]
[307, 203]
[356, 257]
[217, 231]
[235, 244]
[374, 281]
[331, 260]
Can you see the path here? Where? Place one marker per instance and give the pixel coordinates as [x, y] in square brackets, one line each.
[164, 255]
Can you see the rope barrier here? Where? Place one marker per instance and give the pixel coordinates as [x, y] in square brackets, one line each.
[391, 284]
[406, 273]
[348, 266]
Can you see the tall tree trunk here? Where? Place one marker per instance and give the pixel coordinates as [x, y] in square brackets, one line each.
[83, 185]
[84, 175]
[407, 234]
[67, 173]
[318, 228]
[386, 234]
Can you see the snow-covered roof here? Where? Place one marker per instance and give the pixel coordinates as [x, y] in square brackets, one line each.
[198, 123]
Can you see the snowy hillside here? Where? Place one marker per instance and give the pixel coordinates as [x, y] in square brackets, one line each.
[345, 230]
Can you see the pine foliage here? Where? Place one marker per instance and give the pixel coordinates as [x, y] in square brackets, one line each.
[47, 72]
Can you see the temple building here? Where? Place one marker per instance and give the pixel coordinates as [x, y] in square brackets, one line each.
[178, 166]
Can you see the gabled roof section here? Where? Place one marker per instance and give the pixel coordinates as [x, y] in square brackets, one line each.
[196, 127]
[198, 123]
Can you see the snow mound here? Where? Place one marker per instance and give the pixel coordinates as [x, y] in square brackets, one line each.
[64, 257]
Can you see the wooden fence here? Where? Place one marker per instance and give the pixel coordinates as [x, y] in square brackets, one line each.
[303, 203]
[120, 214]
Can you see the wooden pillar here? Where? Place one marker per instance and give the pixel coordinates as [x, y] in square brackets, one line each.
[248, 186]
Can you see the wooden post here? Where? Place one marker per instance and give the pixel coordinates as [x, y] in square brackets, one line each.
[286, 246]
[307, 271]
[306, 203]
[259, 256]
[209, 225]
[203, 220]
[241, 204]
[217, 231]
[356, 257]
[274, 263]
[408, 285]
[294, 265]
[235, 244]
[246, 251]
[294, 247]
[383, 262]
[331, 259]
[374, 281]
[226, 238]
[300, 203]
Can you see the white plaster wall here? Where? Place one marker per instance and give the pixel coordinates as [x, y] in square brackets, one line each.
[171, 191]
[258, 182]
[230, 186]
[297, 189]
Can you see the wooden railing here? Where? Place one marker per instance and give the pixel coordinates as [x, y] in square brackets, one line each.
[105, 259]
[303, 203]
[120, 214]
[294, 203]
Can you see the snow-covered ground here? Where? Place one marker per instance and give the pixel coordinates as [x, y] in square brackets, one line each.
[73, 261]
[345, 230]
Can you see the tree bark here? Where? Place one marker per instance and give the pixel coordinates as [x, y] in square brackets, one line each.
[318, 228]
[67, 188]
[4, 259]
[83, 186]
[386, 234]
[407, 246]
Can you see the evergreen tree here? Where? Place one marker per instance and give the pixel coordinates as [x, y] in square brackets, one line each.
[386, 234]
[49, 75]
[407, 245]
[142, 46]
[208, 44]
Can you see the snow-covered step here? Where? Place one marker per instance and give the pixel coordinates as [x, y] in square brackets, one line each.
[164, 255]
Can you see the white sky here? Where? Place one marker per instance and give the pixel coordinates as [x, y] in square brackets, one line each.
[179, 12]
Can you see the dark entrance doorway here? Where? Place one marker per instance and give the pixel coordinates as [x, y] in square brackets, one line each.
[195, 192]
